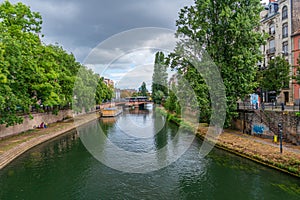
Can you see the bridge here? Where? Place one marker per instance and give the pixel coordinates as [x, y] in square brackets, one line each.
[130, 102]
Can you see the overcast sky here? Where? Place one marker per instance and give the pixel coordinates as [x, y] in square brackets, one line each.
[82, 26]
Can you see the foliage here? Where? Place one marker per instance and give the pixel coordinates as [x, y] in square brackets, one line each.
[103, 91]
[143, 90]
[159, 79]
[277, 71]
[227, 31]
[34, 75]
[158, 96]
[18, 45]
[171, 101]
[298, 70]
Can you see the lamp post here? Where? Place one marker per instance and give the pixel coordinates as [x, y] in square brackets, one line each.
[280, 136]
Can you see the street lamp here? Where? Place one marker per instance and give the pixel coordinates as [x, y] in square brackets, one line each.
[280, 136]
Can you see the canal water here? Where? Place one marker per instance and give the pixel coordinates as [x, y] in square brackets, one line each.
[63, 168]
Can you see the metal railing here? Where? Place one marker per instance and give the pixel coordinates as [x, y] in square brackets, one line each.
[267, 106]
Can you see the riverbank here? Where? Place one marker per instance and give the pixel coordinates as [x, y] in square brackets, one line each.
[13, 147]
[260, 150]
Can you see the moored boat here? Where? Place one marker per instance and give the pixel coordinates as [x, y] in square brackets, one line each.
[112, 111]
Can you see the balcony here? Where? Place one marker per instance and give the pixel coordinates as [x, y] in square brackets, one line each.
[271, 32]
[271, 50]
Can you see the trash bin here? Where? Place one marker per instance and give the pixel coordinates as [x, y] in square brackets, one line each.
[275, 138]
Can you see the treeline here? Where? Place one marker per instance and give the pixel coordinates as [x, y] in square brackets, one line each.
[34, 75]
[215, 59]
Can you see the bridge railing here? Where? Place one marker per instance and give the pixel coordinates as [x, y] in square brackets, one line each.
[266, 106]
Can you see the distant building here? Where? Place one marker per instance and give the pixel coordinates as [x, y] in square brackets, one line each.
[127, 92]
[280, 20]
[108, 82]
[117, 94]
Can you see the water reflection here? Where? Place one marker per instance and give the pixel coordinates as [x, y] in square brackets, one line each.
[63, 169]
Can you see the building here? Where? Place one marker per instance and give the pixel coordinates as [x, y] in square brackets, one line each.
[280, 20]
[296, 54]
[108, 82]
[117, 94]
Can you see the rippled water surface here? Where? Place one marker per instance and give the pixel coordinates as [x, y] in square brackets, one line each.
[64, 169]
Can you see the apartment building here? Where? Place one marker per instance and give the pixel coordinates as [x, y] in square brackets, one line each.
[280, 20]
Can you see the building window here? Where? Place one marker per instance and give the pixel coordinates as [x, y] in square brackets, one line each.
[273, 8]
[285, 30]
[272, 29]
[285, 48]
[271, 47]
[284, 12]
[272, 44]
[299, 43]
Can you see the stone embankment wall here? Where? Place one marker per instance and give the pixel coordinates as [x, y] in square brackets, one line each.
[265, 124]
[28, 123]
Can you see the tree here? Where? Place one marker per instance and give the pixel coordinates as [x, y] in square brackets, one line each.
[159, 78]
[19, 43]
[85, 90]
[172, 101]
[36, 75]
[227, 30]
[276, 76]
[143, 90]
[20, 18]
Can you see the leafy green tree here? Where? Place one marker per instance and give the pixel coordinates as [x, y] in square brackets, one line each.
[159, 78]
[85, 89]
[276, 76]
[171, 101]
[143, 90]
[19, 42]
[20, 18]
[135, 94]
[227, 30]
[110, 92]
[66, 73]
[103, 92]
[34, 75]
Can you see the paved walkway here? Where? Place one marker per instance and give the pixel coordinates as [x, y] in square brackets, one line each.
[286, 146]
[11, 148]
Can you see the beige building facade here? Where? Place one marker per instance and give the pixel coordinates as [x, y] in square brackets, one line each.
[276, 20]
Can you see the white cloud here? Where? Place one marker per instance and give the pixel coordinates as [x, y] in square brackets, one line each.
[134, 78]
[126, 52]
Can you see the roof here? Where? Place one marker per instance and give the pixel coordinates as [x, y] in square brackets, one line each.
[296, 33]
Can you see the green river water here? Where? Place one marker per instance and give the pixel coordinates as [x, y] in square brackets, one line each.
[64, 169]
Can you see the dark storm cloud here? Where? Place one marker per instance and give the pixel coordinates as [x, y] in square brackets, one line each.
[80, 25]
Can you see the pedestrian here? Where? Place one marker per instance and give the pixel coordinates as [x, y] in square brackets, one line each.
[282, 106]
